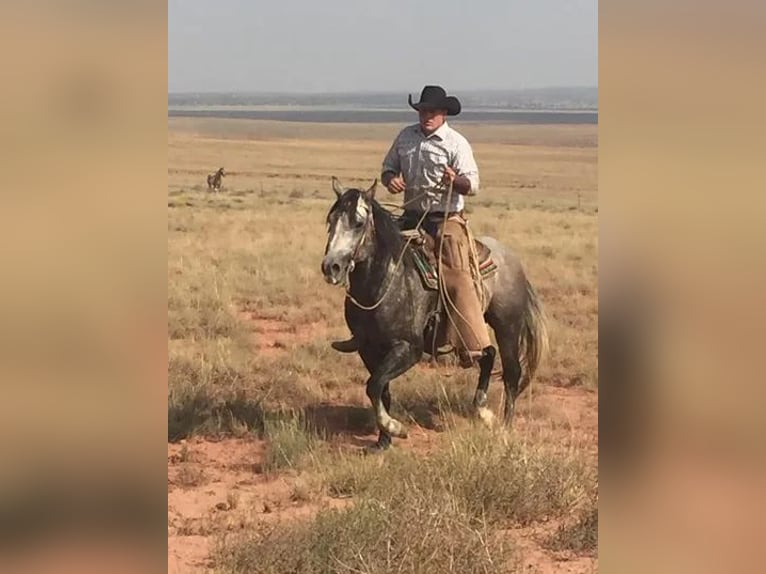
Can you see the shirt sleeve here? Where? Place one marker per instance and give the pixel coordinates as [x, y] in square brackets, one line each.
[464, 164]
[391, 161]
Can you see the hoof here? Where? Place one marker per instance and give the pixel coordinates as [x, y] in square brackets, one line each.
[377, 448]
[397, 429]
[486, 416]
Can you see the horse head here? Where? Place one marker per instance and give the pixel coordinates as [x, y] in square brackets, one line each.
[349, 223]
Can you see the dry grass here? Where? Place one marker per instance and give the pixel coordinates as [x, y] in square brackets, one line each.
[489, 476]
[440, 513]
[250, 319]
[410, 535]
[290, 441]
[579, 536]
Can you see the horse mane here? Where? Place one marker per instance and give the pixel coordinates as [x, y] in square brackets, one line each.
[387, 231]
[387, 234]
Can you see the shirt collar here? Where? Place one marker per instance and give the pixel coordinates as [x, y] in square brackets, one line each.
[439, 133]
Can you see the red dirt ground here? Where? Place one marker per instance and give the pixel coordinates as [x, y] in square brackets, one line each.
[218, 486]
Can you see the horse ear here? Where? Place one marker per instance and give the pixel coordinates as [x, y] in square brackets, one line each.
[370, 193]
[337, 187]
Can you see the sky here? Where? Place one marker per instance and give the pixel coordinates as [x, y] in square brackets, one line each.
[328, 46]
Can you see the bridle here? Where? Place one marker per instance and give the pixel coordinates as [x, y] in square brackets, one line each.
[368, 226]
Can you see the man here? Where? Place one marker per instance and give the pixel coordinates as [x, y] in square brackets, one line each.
[423, 161]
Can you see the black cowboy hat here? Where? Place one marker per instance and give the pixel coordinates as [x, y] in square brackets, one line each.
[435, 98]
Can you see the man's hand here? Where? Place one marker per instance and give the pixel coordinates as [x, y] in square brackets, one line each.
[396, 185]
[460, 183]
[449, 175]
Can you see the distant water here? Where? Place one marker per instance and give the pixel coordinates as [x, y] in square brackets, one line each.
[387, 116]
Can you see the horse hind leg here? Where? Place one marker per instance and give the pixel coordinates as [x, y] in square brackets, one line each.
[507, 340]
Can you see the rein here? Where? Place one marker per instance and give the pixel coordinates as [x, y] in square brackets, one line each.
[347, 281]
[369, 224]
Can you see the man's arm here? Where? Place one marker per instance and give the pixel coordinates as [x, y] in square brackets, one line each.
[391, 169]
[464, 170]
[391, 165]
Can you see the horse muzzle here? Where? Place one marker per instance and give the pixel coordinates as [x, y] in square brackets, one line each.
[335, 271]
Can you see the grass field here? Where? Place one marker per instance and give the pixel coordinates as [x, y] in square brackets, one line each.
[265, 421]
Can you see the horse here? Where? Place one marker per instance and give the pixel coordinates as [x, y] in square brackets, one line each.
[387, 307]
[214, 180]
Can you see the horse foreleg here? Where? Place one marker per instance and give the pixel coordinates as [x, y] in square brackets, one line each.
[398, 360]
[480, 398]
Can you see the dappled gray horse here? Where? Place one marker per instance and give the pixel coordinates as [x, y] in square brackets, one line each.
[388, 307]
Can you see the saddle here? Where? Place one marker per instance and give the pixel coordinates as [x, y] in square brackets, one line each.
[423, 249]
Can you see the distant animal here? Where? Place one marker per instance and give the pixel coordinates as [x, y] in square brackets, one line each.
[364, 246]
[214, 180]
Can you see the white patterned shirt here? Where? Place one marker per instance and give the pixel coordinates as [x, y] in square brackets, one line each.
[421, 160]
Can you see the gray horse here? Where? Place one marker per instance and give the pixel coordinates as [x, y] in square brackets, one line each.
[388, 308]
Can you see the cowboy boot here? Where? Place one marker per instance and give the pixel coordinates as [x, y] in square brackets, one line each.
[348, 346]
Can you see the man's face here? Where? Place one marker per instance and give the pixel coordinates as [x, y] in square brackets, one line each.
[431, 120]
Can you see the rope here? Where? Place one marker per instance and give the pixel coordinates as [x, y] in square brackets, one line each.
[442, 285]
[406, 203]
[392, 276]
[449, 304]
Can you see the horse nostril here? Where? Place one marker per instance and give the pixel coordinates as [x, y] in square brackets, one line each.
[335, 269]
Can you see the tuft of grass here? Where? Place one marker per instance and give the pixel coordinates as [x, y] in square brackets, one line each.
[433, 400]
[350, 475]
[190, 476]
[290, 440]
[306, 489]
[198, 409]
[194, 527]
[232, 499]
[185, 454]
[580, 536]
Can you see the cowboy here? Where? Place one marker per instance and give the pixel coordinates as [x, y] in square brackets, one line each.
[433, 165]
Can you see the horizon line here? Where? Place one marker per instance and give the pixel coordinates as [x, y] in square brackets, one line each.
[368, 92]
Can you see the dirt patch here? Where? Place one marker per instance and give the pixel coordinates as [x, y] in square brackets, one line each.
[272, 337]
[234, 495]
[537, 560]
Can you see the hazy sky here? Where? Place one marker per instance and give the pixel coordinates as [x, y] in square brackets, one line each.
[380, 45]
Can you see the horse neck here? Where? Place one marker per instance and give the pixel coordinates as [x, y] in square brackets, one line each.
[371, 275]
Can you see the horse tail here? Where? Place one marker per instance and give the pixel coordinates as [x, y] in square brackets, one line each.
[533, 337]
